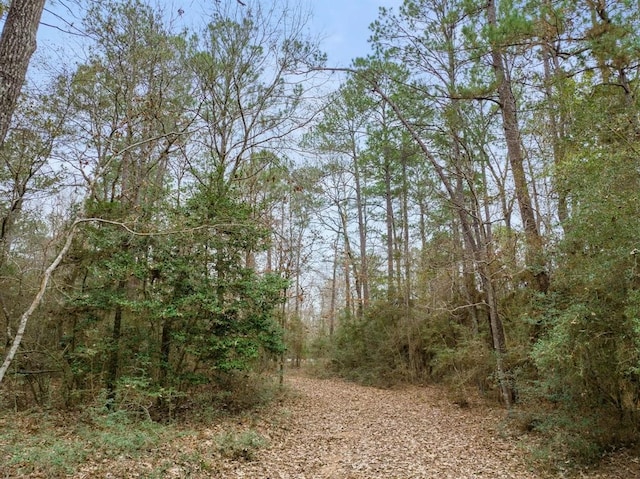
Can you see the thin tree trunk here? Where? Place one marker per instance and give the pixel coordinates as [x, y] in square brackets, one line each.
[422, 224]
[406, 250]
[114, 348]
[497, 335]
[348, 301]
[7, 319]
[165, 352]
[350, 264]
[556, 124]
[334, 287]
[283, 321]
[362, 234]
[390, 232]
[8, 221]
[497, 328]
[468, 262]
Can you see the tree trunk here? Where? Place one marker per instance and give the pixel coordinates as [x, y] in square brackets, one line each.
[508, 107]
[165, 353]
[334, 287]
[362, 233]
[406, 250]
[17, 44]
[391, 293]
[348, 302]
[350, 264]
[557, 124]
[497, 335]
[114, 349]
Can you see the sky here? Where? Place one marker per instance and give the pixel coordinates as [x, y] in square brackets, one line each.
[345, 24]
[342, 25]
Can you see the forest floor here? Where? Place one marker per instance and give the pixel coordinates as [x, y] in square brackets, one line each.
[327, 428]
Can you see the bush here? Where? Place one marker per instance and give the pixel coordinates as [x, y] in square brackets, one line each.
[242, 446]
[235, 392]
[384, 348]
[587, 383]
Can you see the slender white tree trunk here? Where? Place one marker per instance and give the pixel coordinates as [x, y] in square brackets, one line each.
[46, 277]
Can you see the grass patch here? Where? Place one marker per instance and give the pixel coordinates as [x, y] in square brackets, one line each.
[55, 445]
[118, 434]
[54, 456]
[240, 446]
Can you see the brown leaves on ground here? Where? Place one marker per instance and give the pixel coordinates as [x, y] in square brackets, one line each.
[335, 429]
[343, 430]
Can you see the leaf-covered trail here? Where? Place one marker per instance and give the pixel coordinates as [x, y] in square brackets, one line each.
[332, 429]
[343, 430]
[337, 429]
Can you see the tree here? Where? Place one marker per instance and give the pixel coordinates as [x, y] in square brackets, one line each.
[129, 99]
[509, 110]
[588, 359]
[26, 174]
[446, 142]
[17, 44]
[145, 294]
[342, 131]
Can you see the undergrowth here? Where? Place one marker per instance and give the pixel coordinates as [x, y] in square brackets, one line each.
[240, 446]
[57, 443]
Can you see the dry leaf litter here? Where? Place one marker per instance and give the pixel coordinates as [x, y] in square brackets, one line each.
[332, 429]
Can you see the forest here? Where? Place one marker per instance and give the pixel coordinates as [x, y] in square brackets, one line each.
[187, 213]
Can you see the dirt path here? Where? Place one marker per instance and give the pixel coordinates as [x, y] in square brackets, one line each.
[343, 430]
[340, 430]
[331, 429]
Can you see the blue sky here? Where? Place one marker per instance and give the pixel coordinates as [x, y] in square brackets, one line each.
[341, 24]
[345, 24]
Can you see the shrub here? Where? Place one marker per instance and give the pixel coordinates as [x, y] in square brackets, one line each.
[383, 348]
[240, 446]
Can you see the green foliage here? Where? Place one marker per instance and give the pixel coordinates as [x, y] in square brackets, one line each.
[173, 138]
[392, 345]
[240, 446]
[167, 312]
[51, 450]
[56, 456]
[237, 392]
[384, 348]
[162, 300]
[588, 359]
[121, 433]
[461, 360]
[223, 323]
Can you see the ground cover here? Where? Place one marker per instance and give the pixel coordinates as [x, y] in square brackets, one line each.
[321, 428]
